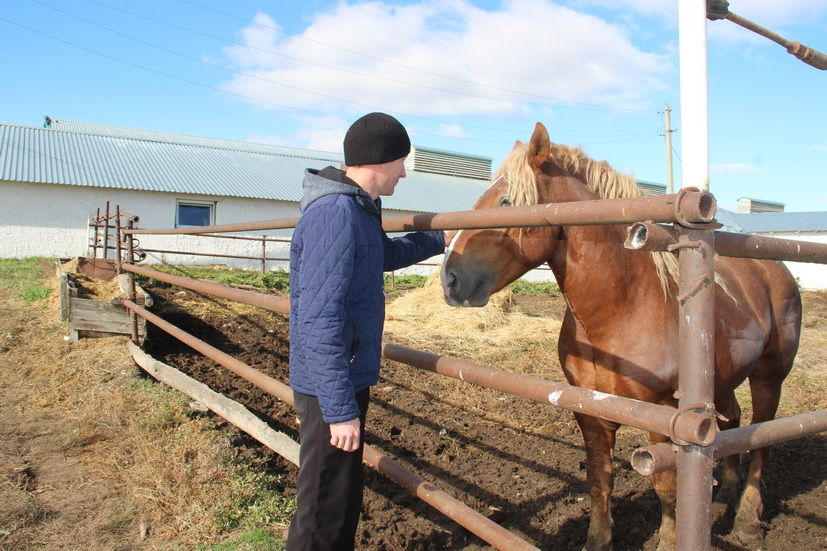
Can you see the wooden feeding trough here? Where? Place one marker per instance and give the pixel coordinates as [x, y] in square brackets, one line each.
[89, 300]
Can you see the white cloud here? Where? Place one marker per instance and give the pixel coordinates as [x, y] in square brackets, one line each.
[734, 169]
[818, 147]
[452, 131]
[322, 133]
[535, 46]
[665, 10]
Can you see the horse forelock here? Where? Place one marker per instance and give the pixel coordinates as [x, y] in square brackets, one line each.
[599, 176]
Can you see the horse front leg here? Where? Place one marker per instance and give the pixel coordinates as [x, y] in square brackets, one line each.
[730, 482]
[665, 484]
[599, 438]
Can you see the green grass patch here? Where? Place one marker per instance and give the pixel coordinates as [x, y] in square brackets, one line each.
[259, 539]
[277, 280]
[522, 287]
[26, 277]
[258, 500]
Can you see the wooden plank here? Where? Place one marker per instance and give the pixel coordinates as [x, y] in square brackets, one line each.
[93, 315]
[229, 409]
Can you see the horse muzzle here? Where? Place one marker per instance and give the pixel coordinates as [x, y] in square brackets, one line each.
[462, 290]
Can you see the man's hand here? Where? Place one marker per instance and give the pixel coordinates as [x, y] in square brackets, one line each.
[345, 435]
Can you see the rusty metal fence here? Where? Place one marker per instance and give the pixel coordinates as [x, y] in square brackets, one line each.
[682, 223]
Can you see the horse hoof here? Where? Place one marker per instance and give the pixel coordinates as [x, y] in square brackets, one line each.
[749, 534]
[719, 510]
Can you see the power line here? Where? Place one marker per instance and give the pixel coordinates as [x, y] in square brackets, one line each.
[162, 73]
[419, 69]
[202, 85]
[257, 77]
[628, 136]
[351, 71]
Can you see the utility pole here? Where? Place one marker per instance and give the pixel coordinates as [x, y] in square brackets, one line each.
[667, 115]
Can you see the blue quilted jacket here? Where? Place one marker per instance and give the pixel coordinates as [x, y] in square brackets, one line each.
[337, 302]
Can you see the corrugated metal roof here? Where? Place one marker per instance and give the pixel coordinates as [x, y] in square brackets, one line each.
[651, 188]
[772, 222]
[171, 137]
[437, 161]
[85, 154]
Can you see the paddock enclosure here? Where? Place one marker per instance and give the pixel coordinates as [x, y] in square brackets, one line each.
[512, 513]
[528, 447]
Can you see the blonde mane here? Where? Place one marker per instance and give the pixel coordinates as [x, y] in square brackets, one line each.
[599, 176]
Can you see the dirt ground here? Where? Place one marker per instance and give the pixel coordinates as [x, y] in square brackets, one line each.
[517, 462]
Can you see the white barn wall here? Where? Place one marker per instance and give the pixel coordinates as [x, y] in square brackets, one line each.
[51, 220]
[810, 276]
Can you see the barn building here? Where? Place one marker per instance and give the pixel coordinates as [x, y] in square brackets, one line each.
[55, 177]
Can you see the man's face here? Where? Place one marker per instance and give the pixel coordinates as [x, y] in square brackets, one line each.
[388, 175]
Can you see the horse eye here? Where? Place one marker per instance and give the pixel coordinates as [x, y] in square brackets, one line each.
[504, 202]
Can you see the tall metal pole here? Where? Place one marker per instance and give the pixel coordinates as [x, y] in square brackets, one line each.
[106, 233]
[118, 236]
[696, 289]
[696, 376]
[133, 290]
[667, 113]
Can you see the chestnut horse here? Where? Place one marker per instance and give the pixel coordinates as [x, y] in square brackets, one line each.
[620, 329]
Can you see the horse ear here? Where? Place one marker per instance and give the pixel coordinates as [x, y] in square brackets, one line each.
[539, 147]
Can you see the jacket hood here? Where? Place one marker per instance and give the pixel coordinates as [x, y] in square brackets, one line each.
[332, 181]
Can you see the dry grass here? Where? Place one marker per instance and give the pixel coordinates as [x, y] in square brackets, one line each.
[95, 289]
[496, 335]
[116, 454]
[199, 305]
[133, 454]
[421, 319]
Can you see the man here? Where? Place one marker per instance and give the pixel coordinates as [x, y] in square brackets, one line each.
[337, 309]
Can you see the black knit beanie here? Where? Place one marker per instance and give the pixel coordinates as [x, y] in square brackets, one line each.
[375, 139]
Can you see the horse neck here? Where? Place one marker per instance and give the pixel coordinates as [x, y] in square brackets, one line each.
[593, 268]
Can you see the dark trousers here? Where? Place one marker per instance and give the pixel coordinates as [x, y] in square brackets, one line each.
[330, 482]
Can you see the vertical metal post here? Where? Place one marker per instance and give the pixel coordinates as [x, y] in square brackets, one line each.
[130, 247]
[119, 258]
[667, 114]
[697, 284]
[263, 254]
[95, 240]
[696, 378]
[106, 233]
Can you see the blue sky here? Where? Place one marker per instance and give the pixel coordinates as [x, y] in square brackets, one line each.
[463, 75]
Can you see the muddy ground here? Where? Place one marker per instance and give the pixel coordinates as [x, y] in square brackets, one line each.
[530, 481]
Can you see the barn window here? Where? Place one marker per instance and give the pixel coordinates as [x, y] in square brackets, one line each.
[191, 213]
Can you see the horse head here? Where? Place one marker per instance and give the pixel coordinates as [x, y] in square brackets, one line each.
[481, 262]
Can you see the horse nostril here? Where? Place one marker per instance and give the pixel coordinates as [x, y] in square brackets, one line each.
[449, 279]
